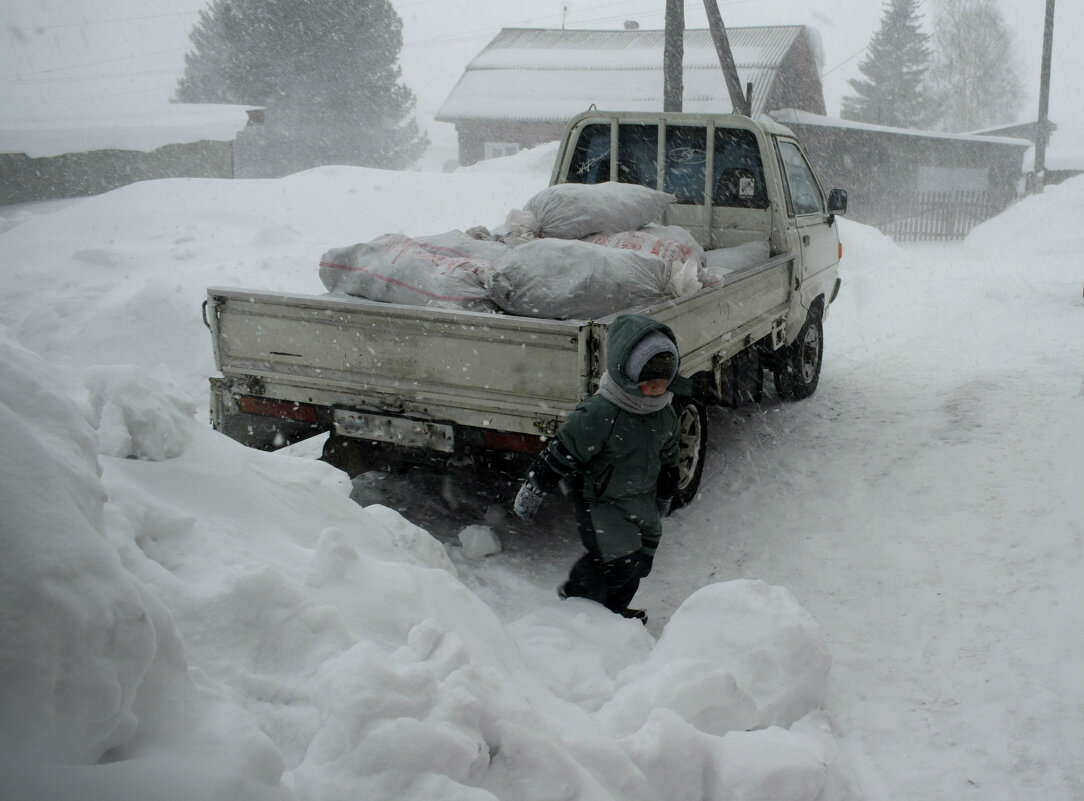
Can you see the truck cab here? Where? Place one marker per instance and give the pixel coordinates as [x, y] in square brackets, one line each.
[753, 182]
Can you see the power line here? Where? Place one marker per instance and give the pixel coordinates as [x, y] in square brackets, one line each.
[23, 75]
[73, 78]
[846, 61]
[33, 27]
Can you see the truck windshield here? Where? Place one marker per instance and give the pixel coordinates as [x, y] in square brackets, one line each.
[804, 194]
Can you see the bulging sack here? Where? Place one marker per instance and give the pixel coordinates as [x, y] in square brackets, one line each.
[563, 278]
[449, 270]
[573, 211]
[668, 242]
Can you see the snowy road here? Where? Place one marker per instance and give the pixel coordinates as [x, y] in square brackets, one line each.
[924, 506]
[921, 505]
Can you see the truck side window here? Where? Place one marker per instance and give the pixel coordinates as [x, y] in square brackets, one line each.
[802, 187]
[638, 155]
[686, 150]
[590, 162]
[738, 171]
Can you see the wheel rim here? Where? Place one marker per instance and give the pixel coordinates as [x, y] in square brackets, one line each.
[690, 435]
[811, 353]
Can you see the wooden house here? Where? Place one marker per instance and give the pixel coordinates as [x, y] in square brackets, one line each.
[522, 88]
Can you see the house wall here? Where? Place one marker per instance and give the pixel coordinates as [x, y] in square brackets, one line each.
[797, 85]
[475, 133]
[24, 179]
[881, 170]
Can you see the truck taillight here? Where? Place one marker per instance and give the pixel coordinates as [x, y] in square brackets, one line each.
[287, 410]
[840, 250]
[505, 441]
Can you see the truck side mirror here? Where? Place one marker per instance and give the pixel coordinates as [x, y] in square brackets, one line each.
[837, 201]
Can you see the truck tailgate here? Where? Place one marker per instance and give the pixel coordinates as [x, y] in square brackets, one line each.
[471, 368]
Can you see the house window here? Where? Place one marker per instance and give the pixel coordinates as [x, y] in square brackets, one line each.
[494, 150]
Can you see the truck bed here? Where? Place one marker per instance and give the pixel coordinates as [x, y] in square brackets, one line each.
[491, 371]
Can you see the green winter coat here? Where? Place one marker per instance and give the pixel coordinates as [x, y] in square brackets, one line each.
[621, 453]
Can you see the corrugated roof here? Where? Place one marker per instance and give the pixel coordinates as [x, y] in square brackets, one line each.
[790, 116]
[546, 74]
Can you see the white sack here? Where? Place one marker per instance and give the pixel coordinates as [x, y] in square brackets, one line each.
[668, 242]
[460, 245]
[720, 261]
[563, 278]
[520, 226]
[573, 211]
[449, 270]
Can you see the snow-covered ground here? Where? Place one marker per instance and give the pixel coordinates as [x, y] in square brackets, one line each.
[876, 595]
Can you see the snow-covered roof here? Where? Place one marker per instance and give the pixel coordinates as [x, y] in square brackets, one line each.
[791, 116]
[547, 74]
[143, 128]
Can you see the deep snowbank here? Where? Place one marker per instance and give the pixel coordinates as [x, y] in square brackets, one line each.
[120, 277]
[172, 598]
[225, 623]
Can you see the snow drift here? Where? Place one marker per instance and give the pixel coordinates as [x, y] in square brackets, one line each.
[168, 591]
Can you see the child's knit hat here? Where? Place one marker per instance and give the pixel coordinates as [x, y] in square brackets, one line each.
[654, 356]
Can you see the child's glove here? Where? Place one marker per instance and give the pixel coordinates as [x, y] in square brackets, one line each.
[646, 562]
[664, 505]
[666, 488]
[528, 499]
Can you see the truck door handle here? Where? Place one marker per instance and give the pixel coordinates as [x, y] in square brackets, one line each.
[805, 239]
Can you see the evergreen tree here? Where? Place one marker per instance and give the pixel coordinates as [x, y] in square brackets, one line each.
[975, 77]
[893, 92]
[326, 70]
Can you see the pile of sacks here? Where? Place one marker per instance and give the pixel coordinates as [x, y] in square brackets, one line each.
[574, 251]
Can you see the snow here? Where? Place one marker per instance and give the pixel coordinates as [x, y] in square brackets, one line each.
[876, 594]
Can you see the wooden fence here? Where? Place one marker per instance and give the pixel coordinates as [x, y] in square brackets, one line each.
[932, 216]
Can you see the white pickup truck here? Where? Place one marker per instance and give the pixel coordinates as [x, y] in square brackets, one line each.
[393, 383]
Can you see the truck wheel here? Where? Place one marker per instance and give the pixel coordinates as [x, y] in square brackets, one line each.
[352, 456]
[799, 367]
[693, 446]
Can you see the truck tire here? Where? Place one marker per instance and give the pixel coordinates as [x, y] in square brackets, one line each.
[352, 456]
[799, 367]
[693, 446]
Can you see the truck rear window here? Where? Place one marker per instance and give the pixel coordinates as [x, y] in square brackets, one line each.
[737, 175]
[591, 159]
[738, 172]
[686, 155]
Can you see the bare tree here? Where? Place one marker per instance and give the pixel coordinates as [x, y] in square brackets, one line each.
[975, 76]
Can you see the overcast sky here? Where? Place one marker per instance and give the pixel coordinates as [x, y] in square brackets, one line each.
[59, 54]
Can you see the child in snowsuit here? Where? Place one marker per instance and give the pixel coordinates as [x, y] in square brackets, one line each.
[618, 454]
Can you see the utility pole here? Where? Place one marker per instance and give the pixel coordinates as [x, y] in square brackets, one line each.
[673, 56]
[726, 58]
[1043, 134]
